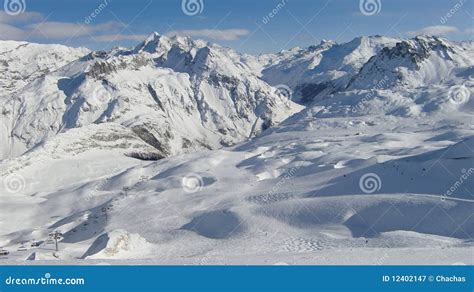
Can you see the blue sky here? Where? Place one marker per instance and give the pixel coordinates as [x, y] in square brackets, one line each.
[245, 25]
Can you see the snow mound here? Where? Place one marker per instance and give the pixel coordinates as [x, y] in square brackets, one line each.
[119, 244]
[216, 224]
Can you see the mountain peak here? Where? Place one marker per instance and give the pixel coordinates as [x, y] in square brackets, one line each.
[325, 42]
[414, 62]
[152, 37]
[157, 43]
[150, 43]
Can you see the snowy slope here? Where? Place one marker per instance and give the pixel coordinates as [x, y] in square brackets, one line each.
[294, 191]
[377, 172]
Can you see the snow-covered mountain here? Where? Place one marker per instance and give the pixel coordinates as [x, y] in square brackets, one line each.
[378, 164]
[420, 77]
[22, 62]
[322, 69]
[421, 61]
[176, 94]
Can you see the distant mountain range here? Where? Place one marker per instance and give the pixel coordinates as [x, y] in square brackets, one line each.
[180, 95]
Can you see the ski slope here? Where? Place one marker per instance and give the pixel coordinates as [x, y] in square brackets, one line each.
[366, 175]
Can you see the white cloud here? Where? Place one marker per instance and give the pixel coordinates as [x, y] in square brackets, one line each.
[436, 30]
[10, 32]
[58, 30]
[22, 17]
[34, 25]
[54, 30]
[216, 34]
[469, 31]
[63, 30]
